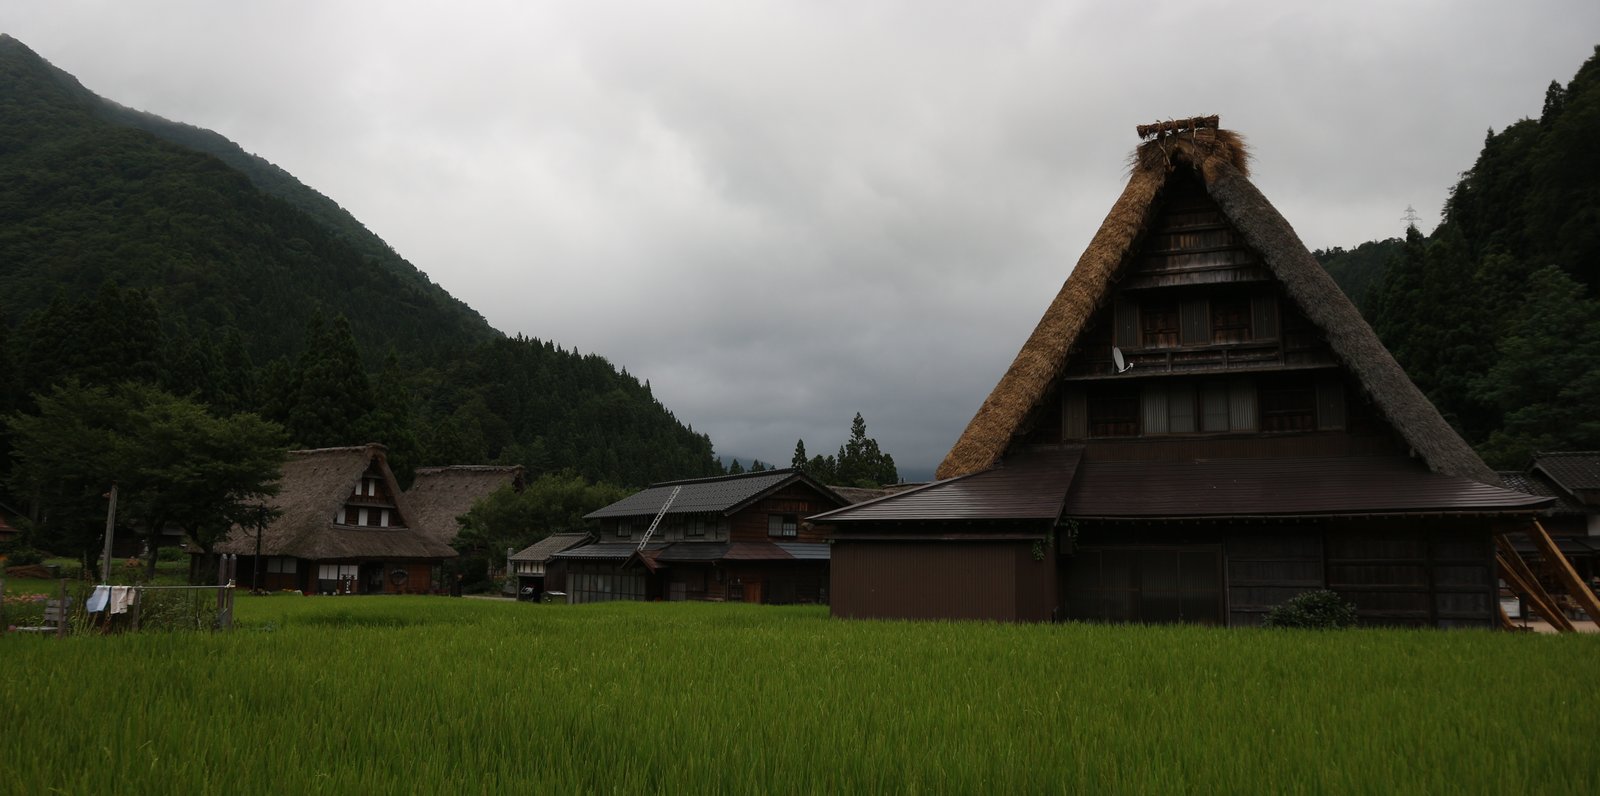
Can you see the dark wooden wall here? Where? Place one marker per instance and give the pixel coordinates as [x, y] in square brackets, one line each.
[997, 581]
[1420, 573]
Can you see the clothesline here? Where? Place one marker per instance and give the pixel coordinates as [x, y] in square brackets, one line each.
[229, 585]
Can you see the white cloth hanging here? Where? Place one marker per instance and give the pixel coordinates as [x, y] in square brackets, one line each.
[121, 599]
[97, 600]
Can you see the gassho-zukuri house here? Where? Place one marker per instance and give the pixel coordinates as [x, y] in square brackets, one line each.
[1200, 427]
[343, 528]
[740, 538]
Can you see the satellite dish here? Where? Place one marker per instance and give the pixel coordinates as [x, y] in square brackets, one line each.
[1122, 363]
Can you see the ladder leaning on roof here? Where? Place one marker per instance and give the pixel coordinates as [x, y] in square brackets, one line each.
[649, 532]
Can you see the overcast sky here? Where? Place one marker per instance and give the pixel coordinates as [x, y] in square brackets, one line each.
[782, 214]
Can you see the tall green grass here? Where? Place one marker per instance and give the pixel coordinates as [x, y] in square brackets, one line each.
[426, 695]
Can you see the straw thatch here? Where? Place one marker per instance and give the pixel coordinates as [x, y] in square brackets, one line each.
[440, 495]
[1219, 158]
[314, 485]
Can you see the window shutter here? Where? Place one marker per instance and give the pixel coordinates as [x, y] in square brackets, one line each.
[1127, 332]
[1242, 405]
[1264, 316]
[1195, 321]
[1155, 409]
[1180, 409]
[1074, 414]
[1330, 402]
[1214, 396]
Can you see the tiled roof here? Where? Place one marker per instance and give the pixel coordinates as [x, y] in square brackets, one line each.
[1026, 486]
[1570, 470]
[1534, 485]
[547, 547]
[615, 551]
[721, 495]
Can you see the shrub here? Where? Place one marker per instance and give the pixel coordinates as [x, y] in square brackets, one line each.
[19, 555]
[1317, 610]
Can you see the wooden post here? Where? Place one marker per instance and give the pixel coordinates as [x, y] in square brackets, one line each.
[3, 624]
[1533, 594]
[61, 619]
[135, 609]
[1564, 572]
[111, 526]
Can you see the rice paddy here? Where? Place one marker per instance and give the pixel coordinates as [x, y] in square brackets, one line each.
[426, 695]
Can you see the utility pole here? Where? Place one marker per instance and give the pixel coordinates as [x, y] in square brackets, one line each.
[111, 525]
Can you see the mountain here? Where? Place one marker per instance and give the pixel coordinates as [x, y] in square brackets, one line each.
[1496, 314]
[137, 248]
[96, 192]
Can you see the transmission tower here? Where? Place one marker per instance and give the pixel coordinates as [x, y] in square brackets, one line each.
[1411, 218]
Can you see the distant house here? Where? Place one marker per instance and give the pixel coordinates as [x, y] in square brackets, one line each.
[1200, 427]
[344, 528]
[1572, 480]
[530, 564]
[735, 537]
[440, 495]
[8, 533]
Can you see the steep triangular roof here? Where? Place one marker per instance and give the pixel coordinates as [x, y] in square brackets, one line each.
[1218, 158]
[315, 483]
[439, 495]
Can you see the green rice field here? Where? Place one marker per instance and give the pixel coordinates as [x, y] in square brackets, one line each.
[433, 695]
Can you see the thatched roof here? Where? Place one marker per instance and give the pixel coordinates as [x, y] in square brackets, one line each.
[440, 495]
[1219, 159]
[314, 485]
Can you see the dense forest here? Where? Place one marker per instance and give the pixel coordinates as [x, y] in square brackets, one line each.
[137, 250]
[1496, 314]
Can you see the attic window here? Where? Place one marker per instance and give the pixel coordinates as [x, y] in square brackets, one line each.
[1288, 405]
[1230, 319]
[695, 526]
[1159, 320]
[1114, 411]
[783, 524]
[624, 528]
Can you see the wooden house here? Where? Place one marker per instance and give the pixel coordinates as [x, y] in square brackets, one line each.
[734, 537]
[530, 565]
[343, 528]
[8, 532]
[1200, 427]
[1572, 480]
[440, 495]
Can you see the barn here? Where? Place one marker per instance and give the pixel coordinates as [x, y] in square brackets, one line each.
[1200, 427]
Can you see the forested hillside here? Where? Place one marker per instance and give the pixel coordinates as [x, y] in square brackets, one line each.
[1496, 314]
[133, 249]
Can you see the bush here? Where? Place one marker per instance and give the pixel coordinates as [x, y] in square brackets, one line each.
[19, 555]
[1316, 610]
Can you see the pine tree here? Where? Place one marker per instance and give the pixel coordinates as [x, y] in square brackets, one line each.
[736, 468]
[1547, 376]
[333, 392]
[798, 462]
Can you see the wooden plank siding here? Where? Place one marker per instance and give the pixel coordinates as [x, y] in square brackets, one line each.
[987, 580]
[1419, 573]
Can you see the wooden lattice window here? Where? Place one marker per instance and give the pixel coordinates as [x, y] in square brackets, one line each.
[1288, 406]
[1114, 412]
[1159, 320]
[1230, 319]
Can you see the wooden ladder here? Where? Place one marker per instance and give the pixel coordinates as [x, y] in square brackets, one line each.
[651, 531]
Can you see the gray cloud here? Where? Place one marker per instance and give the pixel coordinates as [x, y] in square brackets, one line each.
[784, 213]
